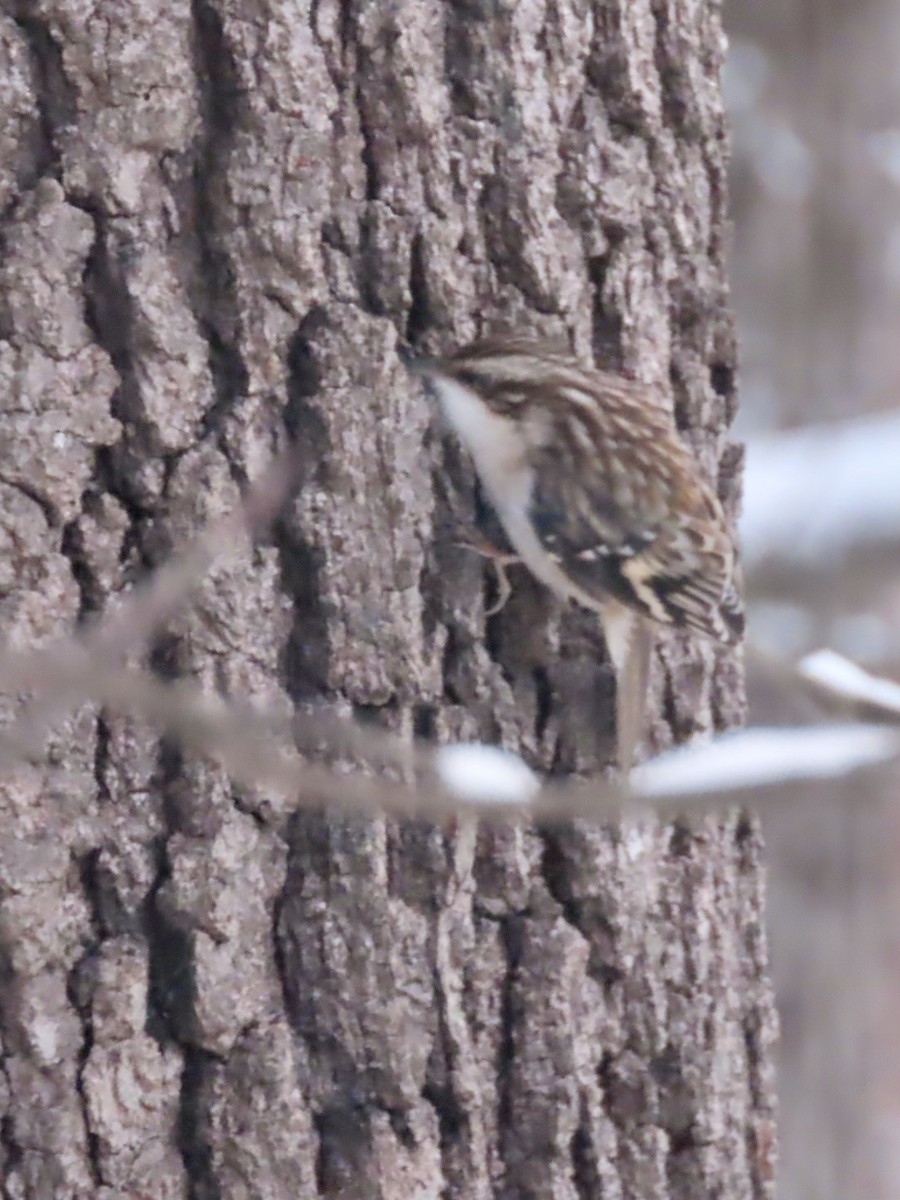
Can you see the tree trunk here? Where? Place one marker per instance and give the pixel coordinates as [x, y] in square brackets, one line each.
[221, 221]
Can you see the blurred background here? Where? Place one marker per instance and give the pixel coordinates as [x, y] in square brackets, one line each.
[813, 88]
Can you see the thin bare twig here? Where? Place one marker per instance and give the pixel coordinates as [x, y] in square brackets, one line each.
[59, 675]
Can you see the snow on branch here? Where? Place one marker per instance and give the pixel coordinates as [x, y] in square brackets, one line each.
[737, 768]
[759, 757]
[841, 685]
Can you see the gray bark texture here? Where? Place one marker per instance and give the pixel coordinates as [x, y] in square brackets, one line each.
[220, 221]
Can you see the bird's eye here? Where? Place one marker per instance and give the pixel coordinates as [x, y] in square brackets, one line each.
[467, 378]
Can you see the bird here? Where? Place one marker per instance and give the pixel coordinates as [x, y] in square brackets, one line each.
[598, 496]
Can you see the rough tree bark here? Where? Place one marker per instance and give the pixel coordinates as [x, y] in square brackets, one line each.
[220, 221]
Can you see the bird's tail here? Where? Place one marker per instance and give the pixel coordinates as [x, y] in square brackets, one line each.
[629, 642]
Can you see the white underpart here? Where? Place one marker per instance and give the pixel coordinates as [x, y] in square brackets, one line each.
[501, 459]
[492, 441]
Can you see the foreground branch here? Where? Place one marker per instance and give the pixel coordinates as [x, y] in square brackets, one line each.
[316, 758]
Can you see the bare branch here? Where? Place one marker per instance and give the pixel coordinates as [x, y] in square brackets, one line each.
[60, 675]
[739, 768]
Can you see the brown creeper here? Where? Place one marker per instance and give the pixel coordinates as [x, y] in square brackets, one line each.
[596, 492]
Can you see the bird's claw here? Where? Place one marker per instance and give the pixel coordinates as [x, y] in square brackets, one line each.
[499, 560]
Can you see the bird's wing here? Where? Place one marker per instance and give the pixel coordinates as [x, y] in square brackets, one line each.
[675, 569]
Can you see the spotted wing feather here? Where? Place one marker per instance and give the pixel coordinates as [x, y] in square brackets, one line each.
[666, 554]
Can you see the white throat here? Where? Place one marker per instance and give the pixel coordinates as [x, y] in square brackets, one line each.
[493, 441]
[501, 456]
